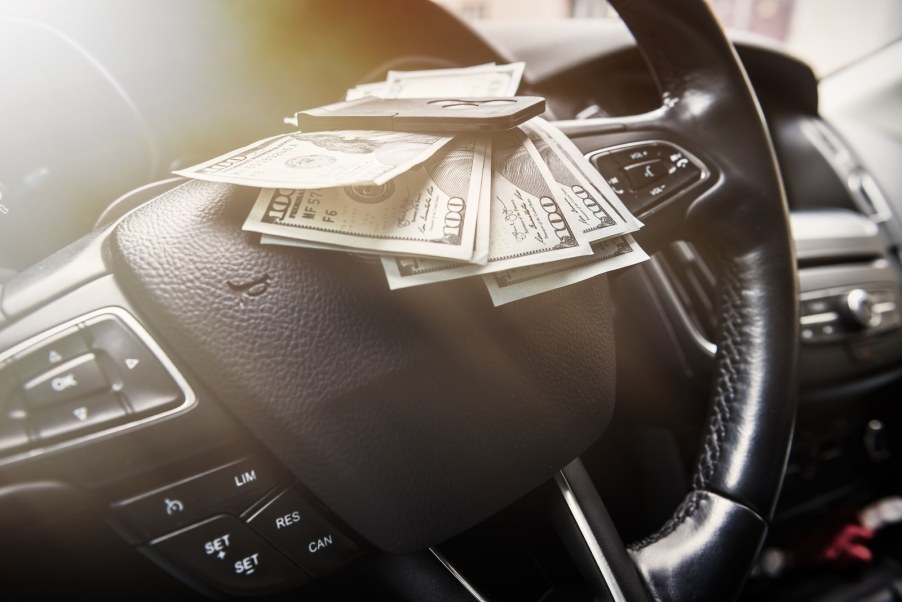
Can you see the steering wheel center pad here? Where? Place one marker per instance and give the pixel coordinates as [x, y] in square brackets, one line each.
[412, 414]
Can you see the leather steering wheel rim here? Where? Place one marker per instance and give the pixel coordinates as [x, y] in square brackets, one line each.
[741, 226]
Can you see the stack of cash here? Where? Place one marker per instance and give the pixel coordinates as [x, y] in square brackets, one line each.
[521, 208]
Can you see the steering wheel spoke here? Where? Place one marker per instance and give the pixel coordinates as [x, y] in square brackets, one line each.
[654, 169]
[591, 538]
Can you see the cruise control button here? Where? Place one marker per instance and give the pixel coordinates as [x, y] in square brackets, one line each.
[82, 415]
[231, 488]
[51, 353]
[227, 556]
[76, 378]
[295, 528]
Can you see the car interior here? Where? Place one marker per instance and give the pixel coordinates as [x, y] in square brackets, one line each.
[185, 412]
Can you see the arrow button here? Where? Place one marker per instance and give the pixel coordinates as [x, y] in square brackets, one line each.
[82, 415]
[144, 383]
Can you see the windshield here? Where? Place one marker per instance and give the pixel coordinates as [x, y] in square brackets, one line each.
[827, 34]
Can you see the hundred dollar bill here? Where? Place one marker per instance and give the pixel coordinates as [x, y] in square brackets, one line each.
[528, 224]
[589, 208]
[380, 89]
[430, 210]
[483, 80]
[484, 220]
[565, 147]
[320, 159]
[284, 241]
[480, 247]
[519, 283]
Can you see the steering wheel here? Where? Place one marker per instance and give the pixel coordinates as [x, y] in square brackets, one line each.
[415, 414]
[705, 549]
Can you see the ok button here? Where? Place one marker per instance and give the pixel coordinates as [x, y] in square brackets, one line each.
[76, 378]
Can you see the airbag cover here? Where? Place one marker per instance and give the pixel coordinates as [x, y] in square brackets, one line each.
[412, 414]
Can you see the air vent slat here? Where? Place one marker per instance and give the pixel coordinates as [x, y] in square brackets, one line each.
[694, 283]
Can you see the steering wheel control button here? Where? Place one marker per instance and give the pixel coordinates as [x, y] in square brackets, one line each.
[67, 386]
[73, 379]
[645, 174]
[291, 524]
[640, 175]
[136, 373]
[73, 417]
[50, 354]
[226, 555]
[232, 488]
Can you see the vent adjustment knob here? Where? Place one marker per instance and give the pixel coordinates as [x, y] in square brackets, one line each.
[859, 306]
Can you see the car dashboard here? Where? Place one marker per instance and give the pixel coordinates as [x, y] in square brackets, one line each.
[104, 140]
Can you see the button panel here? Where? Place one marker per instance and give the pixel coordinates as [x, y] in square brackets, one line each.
[225, 554]
[645, 174]
[194, 529]
[230, 488]
[90, 376]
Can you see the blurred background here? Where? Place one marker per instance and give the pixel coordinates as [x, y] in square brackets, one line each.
[828, 34]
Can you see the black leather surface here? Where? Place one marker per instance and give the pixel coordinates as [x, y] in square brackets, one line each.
[744, 452]
[407, 578]
[691, 559]
[411, 414]
[741, 226]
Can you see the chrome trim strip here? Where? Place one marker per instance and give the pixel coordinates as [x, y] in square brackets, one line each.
[827, 316]
[835, 234]
[885, 307]
[707, 346]
[145, 337]
[603, 125]
[597, 554]
[861, 185]
[460, 578]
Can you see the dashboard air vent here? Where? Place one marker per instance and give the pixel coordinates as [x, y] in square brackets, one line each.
[693, 283]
